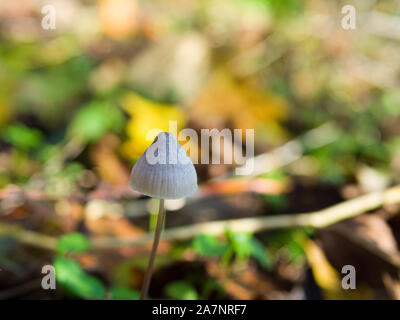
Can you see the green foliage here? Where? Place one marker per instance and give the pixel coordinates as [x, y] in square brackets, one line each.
[290, 242]
[70, 275]
[181, 290]
[178, 250]
[393, 144]
[275, 175]
[122, 293]
[245, 245]
[242, 245]
[391, 102]
[21, 136]
[16, 58]
[209, 286]
[330, 169]
[259, 253]
[46, 152]
[95, 119]
[46, 91]
[73, 242]
[209, 245]
[286, 7]
[360, 144]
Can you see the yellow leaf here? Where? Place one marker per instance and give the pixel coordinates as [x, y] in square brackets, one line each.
[325, 275]
[328, 278]
[147, 119]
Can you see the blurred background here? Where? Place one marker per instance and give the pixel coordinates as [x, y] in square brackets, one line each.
[77, 101]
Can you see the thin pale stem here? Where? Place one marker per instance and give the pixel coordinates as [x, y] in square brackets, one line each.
[157, 234]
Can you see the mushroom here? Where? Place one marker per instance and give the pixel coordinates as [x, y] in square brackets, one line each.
[164, 171]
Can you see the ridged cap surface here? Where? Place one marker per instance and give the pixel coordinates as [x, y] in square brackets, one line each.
[164, 170]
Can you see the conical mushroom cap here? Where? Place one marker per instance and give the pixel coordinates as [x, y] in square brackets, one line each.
[164, 170]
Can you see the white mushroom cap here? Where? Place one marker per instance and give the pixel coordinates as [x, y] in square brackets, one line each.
[164, 170]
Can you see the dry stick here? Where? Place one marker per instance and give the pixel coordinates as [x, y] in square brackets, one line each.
[28, 237]
[318, 219]
[157, 234]
[289, 152]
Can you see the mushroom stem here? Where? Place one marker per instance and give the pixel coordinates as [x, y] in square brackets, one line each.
[157, 234]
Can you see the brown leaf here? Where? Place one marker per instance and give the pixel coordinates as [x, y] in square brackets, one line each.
[109, 167]
[367, 243]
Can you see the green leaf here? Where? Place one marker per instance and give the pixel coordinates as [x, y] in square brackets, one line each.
[260, 253]
[21, 136]
[95, 119]
[49, 92]
[291, 241]
[181, 290]
[208, 245]
[73, 242]
[274, 175]
[393, 144]
[241, 244]
[73, 277]
[391, 101]
[121, 293]
[284, 8]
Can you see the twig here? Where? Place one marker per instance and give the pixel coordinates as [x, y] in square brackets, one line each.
[290, 151]
[31, 238]
[317, 219]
